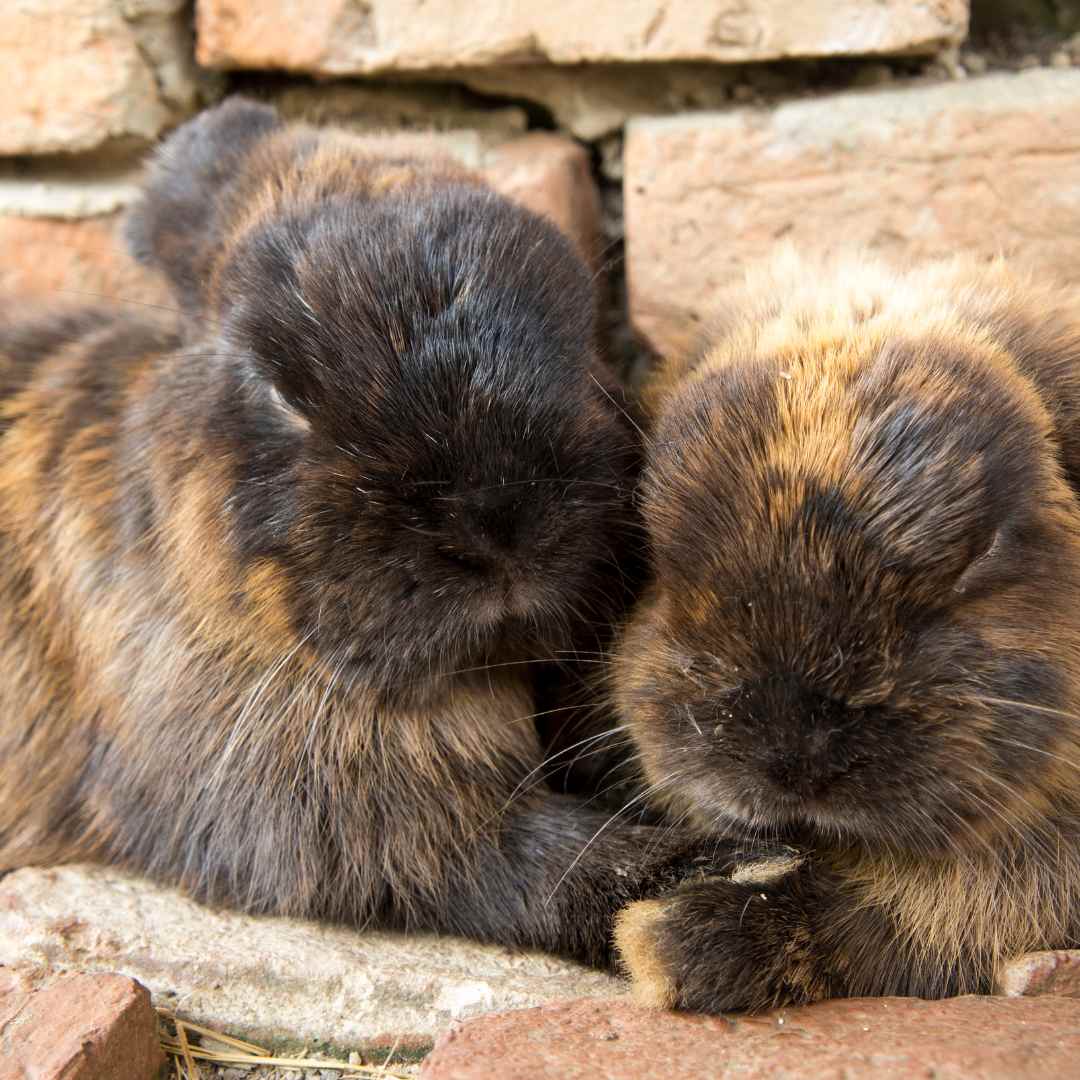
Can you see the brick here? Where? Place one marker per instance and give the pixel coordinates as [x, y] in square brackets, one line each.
[546, 173]
[550, 175]
[78, 73]
[593, 100]
[76, 1027]
[862, 1039]
[366, 109]
[362, 36]
[984, 165]
[1056, 973]
[73, 262]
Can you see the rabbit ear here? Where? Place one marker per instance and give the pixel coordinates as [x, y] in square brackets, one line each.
[177, 226]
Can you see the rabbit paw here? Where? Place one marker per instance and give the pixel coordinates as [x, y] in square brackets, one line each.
[737, 942]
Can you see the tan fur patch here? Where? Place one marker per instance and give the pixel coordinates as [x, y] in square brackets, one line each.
[265, 585]
[986, 905]
[635, 941]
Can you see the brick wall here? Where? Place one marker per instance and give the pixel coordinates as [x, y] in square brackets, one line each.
[674, 139]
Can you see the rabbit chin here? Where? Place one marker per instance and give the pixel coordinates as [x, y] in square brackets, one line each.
[422, 662]
[716, 806]
[737, 811]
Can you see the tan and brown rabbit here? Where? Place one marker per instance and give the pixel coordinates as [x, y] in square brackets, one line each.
[860, 655]
[276, 575]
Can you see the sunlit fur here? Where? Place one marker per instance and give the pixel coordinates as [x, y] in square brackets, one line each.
[864, 632]
[277, 574]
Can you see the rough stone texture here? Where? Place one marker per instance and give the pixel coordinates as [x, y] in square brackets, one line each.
[591, 101]
[868, 1039]
[271, 979]
[77, 73]
[76, 1027]
[359, 36]
[987, 165]
[550, 175]
[1039, 973]
[73, 262]
[369, 109]
[47, 187]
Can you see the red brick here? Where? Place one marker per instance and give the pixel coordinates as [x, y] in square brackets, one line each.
[1037, 973]
[864, 1039]
[82, 259]
[550, 175]
[77, 1027]
[73, 262]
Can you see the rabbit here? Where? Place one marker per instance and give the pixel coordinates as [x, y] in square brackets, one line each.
[277, 567]
[859, 654]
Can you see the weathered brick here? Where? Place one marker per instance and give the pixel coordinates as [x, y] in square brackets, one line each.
[73, 262]
[273, 979]
[77, 73]
[356, 36]
[76, 1027]
[367, 109]
[550, 175]
[593, 100]
[859, 1039]
[1056, 972]
[985, 165]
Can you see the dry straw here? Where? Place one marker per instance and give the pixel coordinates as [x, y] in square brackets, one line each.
[186, 1044]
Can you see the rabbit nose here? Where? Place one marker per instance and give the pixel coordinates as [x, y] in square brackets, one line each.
[494, 517]
[806, 736]
[809, 767]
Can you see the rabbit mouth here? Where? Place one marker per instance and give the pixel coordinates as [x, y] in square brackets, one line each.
[742, 807]
[897, 824]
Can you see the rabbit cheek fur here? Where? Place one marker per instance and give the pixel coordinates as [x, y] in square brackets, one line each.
[862, 643]
[273, 573]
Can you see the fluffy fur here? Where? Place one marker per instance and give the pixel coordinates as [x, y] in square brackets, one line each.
[863, 638]
[278, 576]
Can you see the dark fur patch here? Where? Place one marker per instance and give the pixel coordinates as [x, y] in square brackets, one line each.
[276, 579]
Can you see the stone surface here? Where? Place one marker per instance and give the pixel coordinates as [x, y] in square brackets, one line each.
[1039, 973]
[551, 176]
[76, 1027]
[78, 73]
[271, 979]
[593, 100]
[360, 36]
[985, 165]
[369, 109]
[967, 1038]
[54, 188]
[73, 262]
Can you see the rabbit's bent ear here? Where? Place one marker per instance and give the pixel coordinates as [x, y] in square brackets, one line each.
[176, 226]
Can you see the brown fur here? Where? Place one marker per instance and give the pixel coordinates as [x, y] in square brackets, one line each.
[864, 633]
[635, 934]
[280, 578]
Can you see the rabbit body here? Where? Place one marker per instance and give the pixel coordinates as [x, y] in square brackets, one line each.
[862, 643]
[278, 572]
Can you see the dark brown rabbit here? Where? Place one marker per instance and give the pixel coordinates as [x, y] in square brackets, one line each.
[276, 575]
[860, 657]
